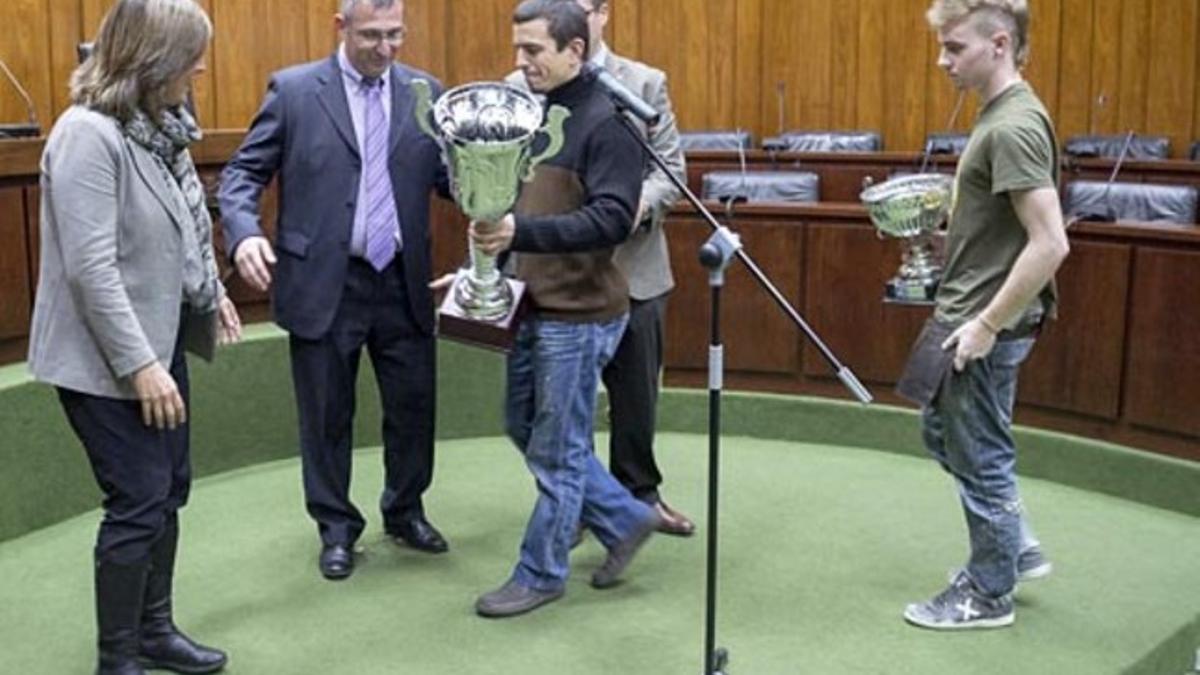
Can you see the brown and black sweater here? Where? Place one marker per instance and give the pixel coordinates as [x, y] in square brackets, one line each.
[578, 207]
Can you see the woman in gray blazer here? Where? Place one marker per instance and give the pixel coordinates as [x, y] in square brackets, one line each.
[128, 280]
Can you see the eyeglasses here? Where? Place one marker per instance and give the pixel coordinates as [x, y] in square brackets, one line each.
[373, 38]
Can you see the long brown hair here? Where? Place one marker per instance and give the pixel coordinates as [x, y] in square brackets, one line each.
[143, 47]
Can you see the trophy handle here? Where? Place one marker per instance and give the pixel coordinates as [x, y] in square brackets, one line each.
[424, 103]
[554, 131]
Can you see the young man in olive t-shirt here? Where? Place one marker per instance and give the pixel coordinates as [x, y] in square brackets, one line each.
[1005, 240]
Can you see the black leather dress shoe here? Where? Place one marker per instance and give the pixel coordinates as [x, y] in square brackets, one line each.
[419, 534]
[337, 561]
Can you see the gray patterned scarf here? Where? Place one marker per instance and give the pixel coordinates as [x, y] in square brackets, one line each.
[168, 140]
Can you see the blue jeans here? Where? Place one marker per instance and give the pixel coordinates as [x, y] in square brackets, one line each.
[968, 429]
[553, 373]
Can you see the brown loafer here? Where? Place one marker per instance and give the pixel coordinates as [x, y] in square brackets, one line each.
[673, 522]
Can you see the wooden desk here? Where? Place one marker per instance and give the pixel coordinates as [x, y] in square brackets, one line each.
[1120, 364]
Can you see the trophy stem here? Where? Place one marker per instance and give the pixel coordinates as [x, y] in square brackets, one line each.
[482, 292]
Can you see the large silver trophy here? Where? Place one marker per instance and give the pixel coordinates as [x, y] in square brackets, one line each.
[486, 132]
[911, 208]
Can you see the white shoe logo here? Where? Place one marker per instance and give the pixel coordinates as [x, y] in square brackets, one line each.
[968, 612]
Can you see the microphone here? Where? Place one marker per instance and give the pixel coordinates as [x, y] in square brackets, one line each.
[20, 130]
[623, 98]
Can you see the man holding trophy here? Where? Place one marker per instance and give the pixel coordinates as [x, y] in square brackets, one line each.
[578, 206]
[1004, 243]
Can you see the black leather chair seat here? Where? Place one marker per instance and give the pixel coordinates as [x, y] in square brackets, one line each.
[763, 186]
[1145, 202]
[715, 140]
[1140, 147]
[825, 141]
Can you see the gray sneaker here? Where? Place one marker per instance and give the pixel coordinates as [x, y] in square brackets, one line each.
[621, 554]
[513, 598]
[961, 607]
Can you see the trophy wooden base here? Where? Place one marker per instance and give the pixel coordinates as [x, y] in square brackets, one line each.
[497, 335]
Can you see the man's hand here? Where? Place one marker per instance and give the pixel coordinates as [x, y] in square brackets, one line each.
[229, 324]
[493, 238]
[973, 340]
[162, 406]
[254, 259]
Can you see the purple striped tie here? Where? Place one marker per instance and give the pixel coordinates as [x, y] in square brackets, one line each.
[380, 223]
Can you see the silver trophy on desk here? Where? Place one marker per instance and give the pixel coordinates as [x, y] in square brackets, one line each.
[486, 132]
[911, 208]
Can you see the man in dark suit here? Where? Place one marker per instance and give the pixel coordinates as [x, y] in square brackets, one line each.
[352, 269]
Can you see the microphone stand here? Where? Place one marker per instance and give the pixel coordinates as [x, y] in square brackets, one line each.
[716, 254]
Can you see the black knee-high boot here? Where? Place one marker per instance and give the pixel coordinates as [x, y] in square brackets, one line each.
[162, 644]
[119, 592]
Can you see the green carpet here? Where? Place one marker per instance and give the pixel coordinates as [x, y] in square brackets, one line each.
[821, 548]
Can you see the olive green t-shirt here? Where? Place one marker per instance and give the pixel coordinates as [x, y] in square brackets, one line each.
[1012, 147]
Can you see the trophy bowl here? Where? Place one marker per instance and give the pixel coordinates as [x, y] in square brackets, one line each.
[911, 208]
[486, 132]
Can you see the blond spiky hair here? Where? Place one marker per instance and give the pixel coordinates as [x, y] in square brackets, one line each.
[987, 16]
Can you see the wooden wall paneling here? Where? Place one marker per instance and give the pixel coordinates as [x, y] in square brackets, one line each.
[479, 41]
[624, 33]
[1106, 67]
[1135, 60]
[33, 237]
[905, 74]
[687, 310]
[204, 90]
[1077, 363]
[26, 50]
[323, 35]
[847, 267]
[722, 61]
[1172, 86]
[1075, 98]
[748, 89]
[253, 40]
[1045, 36]
[871, 84]
[66, 32]
[804, 72]
[1196, 105]
[15, 293]
[428, 37]
[843, 62]
[685, 55]
[1164, 320]
[93, 13]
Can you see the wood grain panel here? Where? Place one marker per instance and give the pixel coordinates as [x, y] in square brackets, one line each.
[1106, 67]
[254, 40]
[15, 293]
[1045, 38]
[756, 334]
[1172, 89]
[33, 236]
[905, 74]
[807, 80]
[1075, 71]
[749, 57]
[686, 57]
[1163, 324]
[26, 50]
[1077, 364]
[847, 267]
[478, 41]
[1135, 62]
[66, 31]
[872, 57]
[428, 33]
[624, 27]
[322, 36]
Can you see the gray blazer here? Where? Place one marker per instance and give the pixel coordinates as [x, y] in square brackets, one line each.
[644, 258]
[110, 284]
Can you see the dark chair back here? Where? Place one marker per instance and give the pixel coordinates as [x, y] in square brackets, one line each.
[715, 140]
[1144, 202]
[947, 143]
[763, 186]
[825, 141]
[1140, 147]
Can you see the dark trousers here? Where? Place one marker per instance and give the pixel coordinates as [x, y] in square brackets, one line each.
[144, 473]
[631, 379]
[374, 313]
